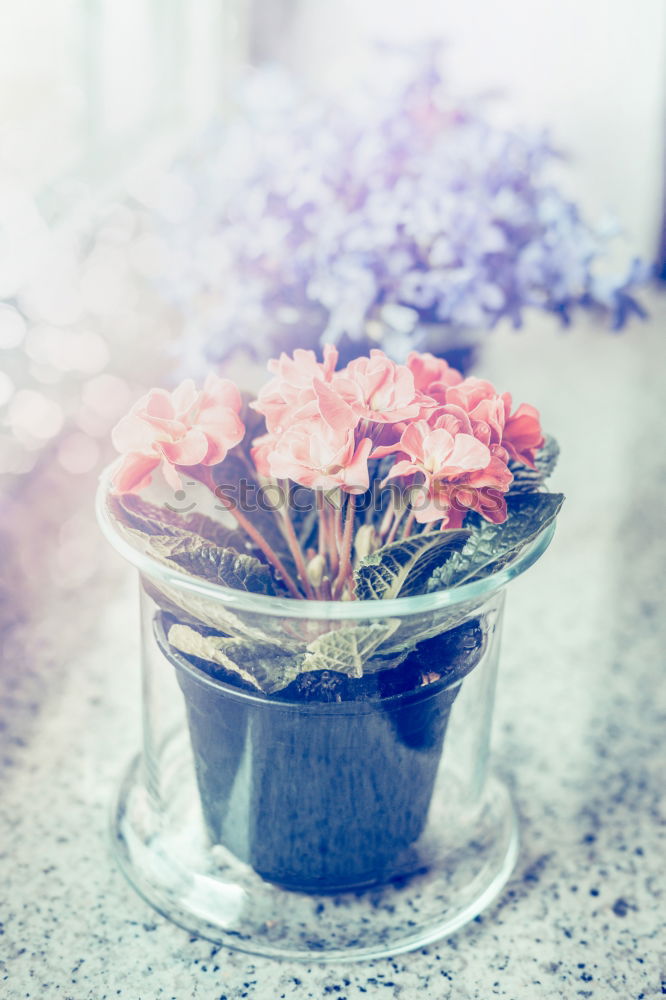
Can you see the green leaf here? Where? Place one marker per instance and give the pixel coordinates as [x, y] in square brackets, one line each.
[218, 565]
[192, 607]
[172, 539]
[149, 519]
[264, 667]
[404, 567]
[526, 480]
[491, 546]
[349, 650]
[269, 669]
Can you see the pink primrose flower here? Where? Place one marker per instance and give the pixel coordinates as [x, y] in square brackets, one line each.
[291, 387]
[452, 471]
[522, 435]
[432, 376]
[378, 390]
[320, 457]
[183, 428]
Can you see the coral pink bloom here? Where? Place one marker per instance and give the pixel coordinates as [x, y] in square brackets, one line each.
[328, 405]
[522, 435]
[311, 427]
[438, 454]
[470, 392]
[260, 452]
[459, 472]
[317, 456]
[183, 428]
[482, 403]
[378, 389]
[292, 385]
[432, 376]
[452, 418]
[483, 490]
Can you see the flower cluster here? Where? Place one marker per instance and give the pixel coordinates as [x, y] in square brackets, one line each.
[178, 429]
[395, 221]
[452, 437]
[445, 441]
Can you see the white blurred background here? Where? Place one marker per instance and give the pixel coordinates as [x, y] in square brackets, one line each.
[89, 86]
[591, 71]
[97, 95]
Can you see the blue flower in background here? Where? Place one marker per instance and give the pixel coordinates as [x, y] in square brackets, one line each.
[404, 220]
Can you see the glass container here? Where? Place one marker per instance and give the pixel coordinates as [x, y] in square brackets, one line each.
[340, 817]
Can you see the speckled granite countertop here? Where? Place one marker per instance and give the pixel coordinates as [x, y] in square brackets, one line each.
[580, 732]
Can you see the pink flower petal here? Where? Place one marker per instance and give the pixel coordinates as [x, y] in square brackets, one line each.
[356, 478]
[133, 472]
[221, 392]
[190, 450]
[334, 410]
[184, 396]
[171, 476]
[412, 440]
[467, 454]
[132, 434]
[403, 468]
[158, 403]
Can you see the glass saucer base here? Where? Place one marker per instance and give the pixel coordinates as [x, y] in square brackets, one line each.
[206, 890]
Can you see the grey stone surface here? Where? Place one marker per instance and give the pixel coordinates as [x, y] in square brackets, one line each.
[580, 731]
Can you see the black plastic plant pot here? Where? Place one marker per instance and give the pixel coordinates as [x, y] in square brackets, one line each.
[326, 787]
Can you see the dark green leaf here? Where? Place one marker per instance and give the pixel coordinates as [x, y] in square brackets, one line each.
[149, 519]
[491, 546]
[264, 667]
[344, 651]
[210, 562]
[404, 567]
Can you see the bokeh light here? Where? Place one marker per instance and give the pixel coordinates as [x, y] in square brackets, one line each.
[12, 327]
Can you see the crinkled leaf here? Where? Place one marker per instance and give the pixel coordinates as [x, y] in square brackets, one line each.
[345, 652]
[491, 546]
[218, 565]
[149, 519]
[191, 607]
[349, 650]
[266, 668]
[526, 480]
[404, 567]
[166, 536]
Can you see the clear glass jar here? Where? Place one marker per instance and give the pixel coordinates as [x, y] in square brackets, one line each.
[337, 818]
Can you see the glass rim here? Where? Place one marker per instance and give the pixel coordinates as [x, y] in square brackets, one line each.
[291, 607]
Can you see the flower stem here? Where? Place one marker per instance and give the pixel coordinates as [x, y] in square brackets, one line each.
[293, 542]
[387, 518]
[409, 524]
[262, 544]
[338, 525]
[399, 514]
[205, 476]
[345, 557]
[328, 548]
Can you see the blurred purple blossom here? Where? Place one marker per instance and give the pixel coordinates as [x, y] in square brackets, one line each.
[404, 220]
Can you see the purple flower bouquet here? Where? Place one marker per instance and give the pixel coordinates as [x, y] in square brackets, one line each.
[404, 221]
